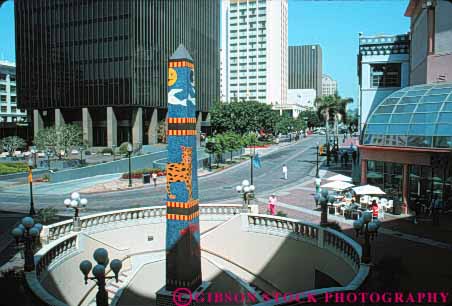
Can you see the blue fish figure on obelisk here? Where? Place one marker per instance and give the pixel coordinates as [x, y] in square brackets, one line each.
[183, 254]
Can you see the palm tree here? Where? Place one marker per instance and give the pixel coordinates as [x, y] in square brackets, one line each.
[332, 106]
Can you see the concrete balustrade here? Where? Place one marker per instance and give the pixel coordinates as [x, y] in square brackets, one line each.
[64, 249]
[309, 232]
[207, 211]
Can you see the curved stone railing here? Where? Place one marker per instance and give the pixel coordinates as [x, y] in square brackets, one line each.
[324, 238]
[62, 243]
[60, 229]
[59, 249]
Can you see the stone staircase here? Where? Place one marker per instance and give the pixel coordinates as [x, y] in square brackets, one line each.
[113, 287]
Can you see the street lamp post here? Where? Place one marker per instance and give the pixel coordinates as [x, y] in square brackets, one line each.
[328, 157]
[48, 159]
[129, 151]
[33, 154]
[324, 199]
[248, 191]
[26, 233]
[101, 257]
[368, 228]
[317, 161]
[30, 182]
[77, 203]
[252, 165]
[210, 145]
[81, 155]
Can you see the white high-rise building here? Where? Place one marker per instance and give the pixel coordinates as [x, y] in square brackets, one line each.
[8, 99]
[255, 50]
[329, 86]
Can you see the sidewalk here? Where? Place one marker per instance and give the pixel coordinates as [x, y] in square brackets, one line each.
[405, 256]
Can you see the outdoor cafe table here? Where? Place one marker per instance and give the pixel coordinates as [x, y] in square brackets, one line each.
[336, 207]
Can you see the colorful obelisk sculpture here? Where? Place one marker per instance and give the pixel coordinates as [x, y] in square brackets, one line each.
[183, 254]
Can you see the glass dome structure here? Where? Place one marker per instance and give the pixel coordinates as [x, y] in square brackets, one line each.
[417, 116]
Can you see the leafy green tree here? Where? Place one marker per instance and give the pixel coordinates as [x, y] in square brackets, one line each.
[249, 139]
[69, 136]
[12, 143]
[215, 145]
[46, 139]
[231, 142]
[352, 119]
[312, 118]
[242, 117]
[332, 107]
[285, 124]
[64, 139]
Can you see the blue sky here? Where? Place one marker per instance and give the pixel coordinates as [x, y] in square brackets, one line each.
[335, 26]
[7, 43]
[332, 24]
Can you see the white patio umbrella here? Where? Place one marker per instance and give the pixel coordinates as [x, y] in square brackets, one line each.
[337, 185]
[368, 189]
[340, 177]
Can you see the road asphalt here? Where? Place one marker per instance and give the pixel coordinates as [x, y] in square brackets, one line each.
[299, 157]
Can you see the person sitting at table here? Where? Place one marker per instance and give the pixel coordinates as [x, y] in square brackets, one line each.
[348, 195]
[349, 208]
[353, 204]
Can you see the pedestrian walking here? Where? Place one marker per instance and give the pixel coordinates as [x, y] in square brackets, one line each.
[354, 156]
[154, 178]
[284, 170]
[417, 211]
[374, 208]
[272, 205]
[336, 155]
[436, 206]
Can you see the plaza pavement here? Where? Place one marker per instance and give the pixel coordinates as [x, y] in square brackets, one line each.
[406, 257]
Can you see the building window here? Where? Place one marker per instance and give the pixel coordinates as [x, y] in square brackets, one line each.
[4, 109]
[13, 88]
[3, 98]
[2, 87]
[12, 78]
[2, 77]
[385, 75]
[13, 109]
[13, 99]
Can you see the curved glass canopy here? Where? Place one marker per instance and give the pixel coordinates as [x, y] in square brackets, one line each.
[417, 116]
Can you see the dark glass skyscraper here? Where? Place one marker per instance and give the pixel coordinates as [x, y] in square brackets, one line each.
[103, 63]
[305, 67]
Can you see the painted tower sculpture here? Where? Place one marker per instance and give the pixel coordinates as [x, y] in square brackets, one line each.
[183, 254]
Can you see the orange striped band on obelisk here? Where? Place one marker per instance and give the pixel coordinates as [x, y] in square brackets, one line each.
[181, 127]
[181, 63]
[188, 204]
[182, 217]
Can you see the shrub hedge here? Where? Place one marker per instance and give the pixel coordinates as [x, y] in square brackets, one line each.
[137, 174]
[9, 168]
